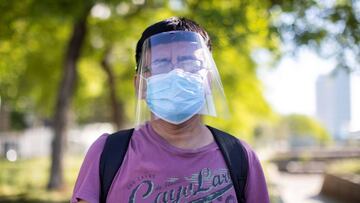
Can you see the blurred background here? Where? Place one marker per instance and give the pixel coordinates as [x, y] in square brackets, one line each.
[290, 70]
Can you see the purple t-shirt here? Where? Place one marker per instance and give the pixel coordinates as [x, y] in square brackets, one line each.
[155, 171]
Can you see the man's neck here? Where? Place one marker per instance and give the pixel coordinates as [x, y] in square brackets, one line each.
[191, 134]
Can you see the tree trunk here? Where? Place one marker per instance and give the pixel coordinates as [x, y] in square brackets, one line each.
[66, 91]
[117, 107]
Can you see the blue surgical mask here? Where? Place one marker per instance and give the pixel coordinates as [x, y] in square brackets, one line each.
[175, 96]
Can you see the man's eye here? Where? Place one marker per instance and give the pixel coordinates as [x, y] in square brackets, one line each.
[193, 63]
[192, 66]
[160, 64]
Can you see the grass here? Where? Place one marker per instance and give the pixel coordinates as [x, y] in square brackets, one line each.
[26, 180]
[349, 166]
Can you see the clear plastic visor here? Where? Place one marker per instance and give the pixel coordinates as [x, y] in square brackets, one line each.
[177, 78]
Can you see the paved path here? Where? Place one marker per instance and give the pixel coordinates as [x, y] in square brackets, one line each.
[295, 188]
[301, 188]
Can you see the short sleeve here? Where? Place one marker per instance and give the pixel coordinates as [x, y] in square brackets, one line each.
[87, 186]
[255, 189]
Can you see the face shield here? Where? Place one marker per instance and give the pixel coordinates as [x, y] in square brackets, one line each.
[178, 79]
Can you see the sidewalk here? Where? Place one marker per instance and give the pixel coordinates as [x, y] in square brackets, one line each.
[295, 188]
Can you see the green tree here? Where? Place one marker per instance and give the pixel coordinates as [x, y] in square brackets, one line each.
[332, 28]
[296, 125]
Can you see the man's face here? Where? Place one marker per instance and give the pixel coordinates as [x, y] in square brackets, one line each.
[163, 58]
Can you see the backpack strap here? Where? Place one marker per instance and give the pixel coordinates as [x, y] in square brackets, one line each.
[111, 159]
[236, 160]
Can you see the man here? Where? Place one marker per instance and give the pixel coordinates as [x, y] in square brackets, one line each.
[172, 156]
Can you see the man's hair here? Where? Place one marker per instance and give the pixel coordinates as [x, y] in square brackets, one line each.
[170, 24]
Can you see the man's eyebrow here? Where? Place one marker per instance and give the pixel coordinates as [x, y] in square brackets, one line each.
[182, 58]
[160, 60]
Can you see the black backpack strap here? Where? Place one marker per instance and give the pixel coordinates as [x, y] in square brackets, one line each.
[111, 159]
[236, 159]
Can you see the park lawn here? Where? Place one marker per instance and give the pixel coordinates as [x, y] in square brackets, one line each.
[26, 180]
[343, 167]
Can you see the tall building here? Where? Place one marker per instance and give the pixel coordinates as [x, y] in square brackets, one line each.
[333, 102]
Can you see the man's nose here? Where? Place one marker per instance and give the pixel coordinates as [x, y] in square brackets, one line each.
[173, 61]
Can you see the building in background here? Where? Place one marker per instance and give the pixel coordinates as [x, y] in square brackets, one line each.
[333, 102]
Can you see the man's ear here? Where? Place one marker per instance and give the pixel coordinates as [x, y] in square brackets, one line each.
[136, 83]
[137, 87]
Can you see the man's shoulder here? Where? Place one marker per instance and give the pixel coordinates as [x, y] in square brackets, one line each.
[98, 145]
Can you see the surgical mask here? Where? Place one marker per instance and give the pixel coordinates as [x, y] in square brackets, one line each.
[175, 96]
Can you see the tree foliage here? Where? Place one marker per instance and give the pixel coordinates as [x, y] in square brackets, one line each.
[332, 28]
[296, 125]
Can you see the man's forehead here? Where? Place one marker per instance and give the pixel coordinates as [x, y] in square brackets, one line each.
[176, 48]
